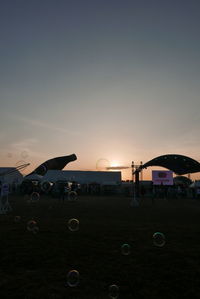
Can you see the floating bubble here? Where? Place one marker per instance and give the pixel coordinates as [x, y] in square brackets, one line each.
[35, 230]
[24, 154]
[102, 164]
[32, 226]
[72, 196]
[73, 225]
[159, 239]
[35, 196]
[125, 249]
[45, 186]
[73, 278]
[17, 219]
[113, 291]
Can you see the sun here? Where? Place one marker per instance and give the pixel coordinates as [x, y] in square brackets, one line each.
[114, 164]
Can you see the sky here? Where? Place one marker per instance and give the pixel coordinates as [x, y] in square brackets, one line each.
[106, 79]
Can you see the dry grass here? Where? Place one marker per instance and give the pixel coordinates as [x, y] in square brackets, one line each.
[36, 265]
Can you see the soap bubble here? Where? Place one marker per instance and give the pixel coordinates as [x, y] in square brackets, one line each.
[73, 278]
[72, 196]
[45, 186]
[35, 230]
[73, 225]
[24, 154]
[159, 239]
[17, 219]
[35, 196]
[113, 291]
[125, 249]
[32, 226]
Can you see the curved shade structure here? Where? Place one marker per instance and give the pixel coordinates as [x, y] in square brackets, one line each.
[54, 164]
[177, 163]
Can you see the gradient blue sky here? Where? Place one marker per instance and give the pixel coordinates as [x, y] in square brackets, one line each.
[103, 79]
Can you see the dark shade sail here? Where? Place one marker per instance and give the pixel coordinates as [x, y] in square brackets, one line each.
[177, 163]
[54, 164]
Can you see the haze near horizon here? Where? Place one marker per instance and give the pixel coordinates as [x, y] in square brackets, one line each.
[114, 80]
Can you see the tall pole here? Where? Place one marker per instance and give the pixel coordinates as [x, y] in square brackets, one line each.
[133, 167]
[137, 182]
[141, 173]
[135, 176]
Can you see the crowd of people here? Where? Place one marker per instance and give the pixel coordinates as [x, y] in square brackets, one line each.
[61, 189]
[174, 191]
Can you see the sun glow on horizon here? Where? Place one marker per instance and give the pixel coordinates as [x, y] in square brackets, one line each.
[114, 164]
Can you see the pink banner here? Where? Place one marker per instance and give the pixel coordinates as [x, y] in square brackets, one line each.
[162, 177]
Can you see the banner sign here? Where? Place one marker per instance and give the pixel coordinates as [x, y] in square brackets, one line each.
[162, 177]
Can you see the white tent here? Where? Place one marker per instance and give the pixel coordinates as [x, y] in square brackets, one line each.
[84, 177]
[10, 175]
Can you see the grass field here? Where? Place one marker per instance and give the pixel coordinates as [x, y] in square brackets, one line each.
[36, 265]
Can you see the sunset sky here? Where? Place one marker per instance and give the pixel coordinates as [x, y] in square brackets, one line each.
[106, 79]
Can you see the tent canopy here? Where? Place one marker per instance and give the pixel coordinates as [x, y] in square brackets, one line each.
[179, 164]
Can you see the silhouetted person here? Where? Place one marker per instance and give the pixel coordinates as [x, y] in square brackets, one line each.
[142, 191]
[73, 186]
